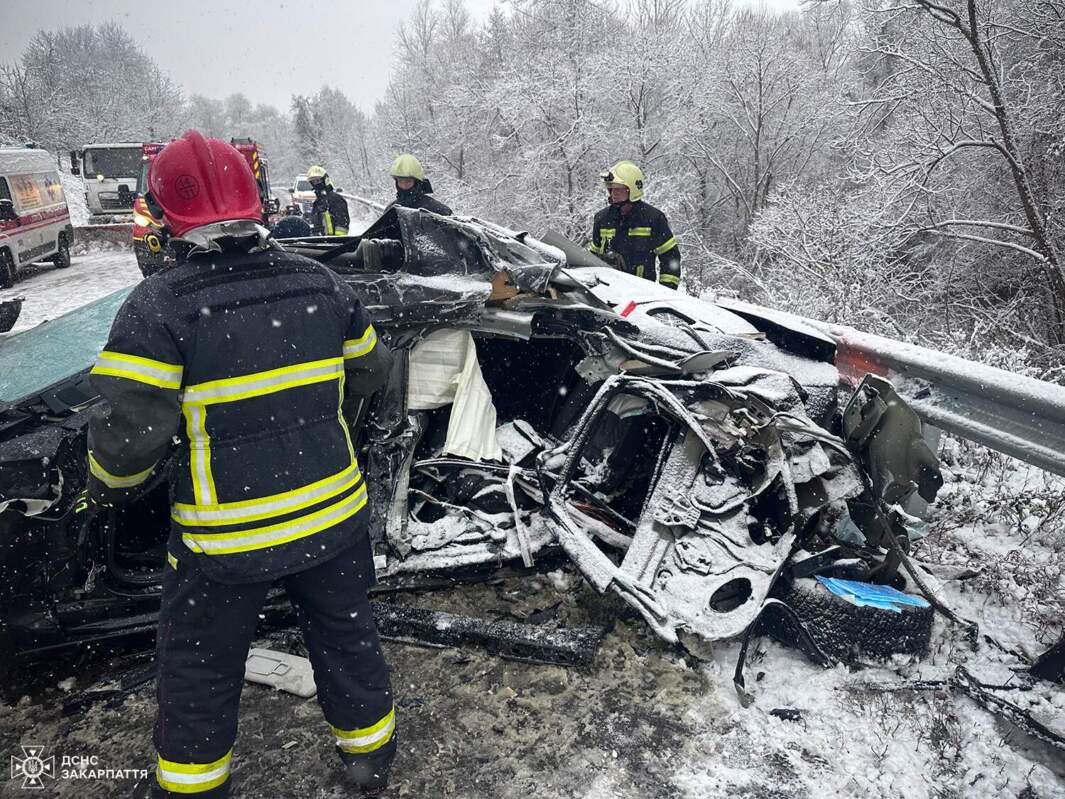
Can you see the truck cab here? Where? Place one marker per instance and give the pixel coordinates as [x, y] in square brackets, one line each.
[110, 172]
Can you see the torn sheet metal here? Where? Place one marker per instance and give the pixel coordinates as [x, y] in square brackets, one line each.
[724, 511]
[436, 245]
[444, 370]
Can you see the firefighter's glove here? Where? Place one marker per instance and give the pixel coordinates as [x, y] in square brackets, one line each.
[614, 259]
[86, 507]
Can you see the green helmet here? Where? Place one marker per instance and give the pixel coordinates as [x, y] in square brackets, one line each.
[407, 166]
[627, 174]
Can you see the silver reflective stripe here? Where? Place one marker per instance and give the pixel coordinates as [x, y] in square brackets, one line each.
[235, 388]
[366, 742]
[200, 454]
[222, 543]
[355, 348]
[250, 510]
[193, 780]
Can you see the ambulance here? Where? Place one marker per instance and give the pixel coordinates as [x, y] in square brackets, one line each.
[34, 218]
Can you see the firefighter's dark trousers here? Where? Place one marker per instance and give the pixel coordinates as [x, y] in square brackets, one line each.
[205, 629]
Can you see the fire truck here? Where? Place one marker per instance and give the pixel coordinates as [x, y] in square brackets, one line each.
[149, 237]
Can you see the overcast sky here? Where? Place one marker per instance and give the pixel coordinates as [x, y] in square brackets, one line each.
[266, 49]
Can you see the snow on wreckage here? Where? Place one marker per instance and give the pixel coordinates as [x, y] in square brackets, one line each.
[695, 462]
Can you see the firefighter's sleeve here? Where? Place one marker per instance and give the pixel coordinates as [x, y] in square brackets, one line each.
[367, 360]
[338, 207]
[596, 246]
[668, 251]
[140, 374]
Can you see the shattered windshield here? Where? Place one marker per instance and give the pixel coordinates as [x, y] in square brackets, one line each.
[34, 360]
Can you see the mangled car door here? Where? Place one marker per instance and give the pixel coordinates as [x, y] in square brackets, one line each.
[740, 473]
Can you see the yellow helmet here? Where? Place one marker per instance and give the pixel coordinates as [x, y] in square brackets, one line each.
[627, 174]
[316, 172]
[407, 166]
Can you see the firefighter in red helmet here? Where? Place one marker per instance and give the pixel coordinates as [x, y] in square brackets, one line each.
[220, 354]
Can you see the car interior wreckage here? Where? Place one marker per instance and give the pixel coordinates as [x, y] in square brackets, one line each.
[705, 464]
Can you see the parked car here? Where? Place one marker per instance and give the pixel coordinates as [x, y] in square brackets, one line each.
[302, 194]
[34, 218]
[697, 461]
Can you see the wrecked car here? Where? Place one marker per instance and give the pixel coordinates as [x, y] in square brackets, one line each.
[701, 461]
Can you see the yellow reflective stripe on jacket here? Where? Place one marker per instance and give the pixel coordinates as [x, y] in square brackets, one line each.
[115, 480]
[669, 280]
[357, 347]
[143, 370]
[253, 510]
[231, 389]
[606, 234]
[595, 248]
[662, 249]
[369, 738]
[327, 223]
[172, 561]
[640, 231]
[341, 231]
[200, 454]
[275, 534]
[193, 777]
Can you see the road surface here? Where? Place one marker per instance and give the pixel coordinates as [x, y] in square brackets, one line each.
[51, 292]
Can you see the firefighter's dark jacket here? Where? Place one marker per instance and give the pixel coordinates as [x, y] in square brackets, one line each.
[639, 237]
[418, 197]
[329, 214]
[249, 362]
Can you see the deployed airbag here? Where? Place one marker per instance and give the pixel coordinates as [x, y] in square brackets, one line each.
[444, 370]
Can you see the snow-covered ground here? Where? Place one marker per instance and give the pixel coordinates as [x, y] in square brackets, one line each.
[51, 292]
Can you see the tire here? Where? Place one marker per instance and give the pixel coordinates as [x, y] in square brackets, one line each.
[62, 258]
[846, 632]
[8, 270]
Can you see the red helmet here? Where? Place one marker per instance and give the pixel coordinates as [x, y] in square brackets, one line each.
[197, 181]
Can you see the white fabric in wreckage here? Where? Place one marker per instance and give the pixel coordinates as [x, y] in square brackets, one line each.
[444, 370]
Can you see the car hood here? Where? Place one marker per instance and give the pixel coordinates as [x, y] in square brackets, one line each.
[54, 350]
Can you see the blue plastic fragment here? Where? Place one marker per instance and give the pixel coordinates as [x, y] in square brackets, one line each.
[872, 596]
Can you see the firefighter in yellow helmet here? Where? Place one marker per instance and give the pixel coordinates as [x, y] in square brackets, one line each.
[412, 187]
[629, 234]
[329, 214]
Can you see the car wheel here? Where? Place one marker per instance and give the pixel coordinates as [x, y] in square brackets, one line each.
[8, 270]
[844, 631]
[62, 258]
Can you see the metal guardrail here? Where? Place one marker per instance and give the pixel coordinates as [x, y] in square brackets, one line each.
[372, 203]
[1013, 414]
